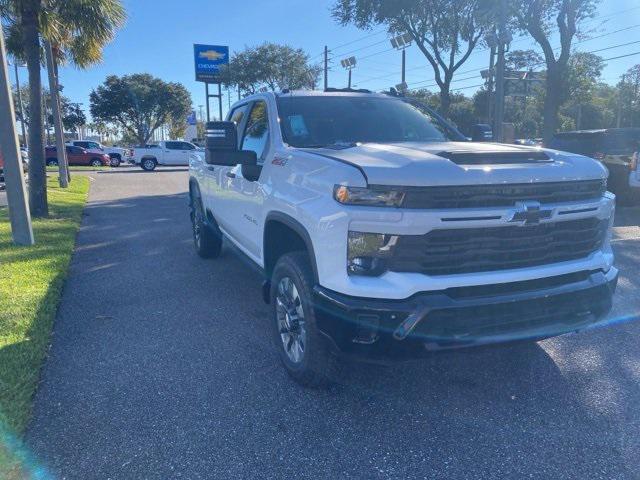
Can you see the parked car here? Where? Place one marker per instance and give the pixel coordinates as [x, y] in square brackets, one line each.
[171, 152]
[25, 164]
[117, 154]
[78, 156]
[382, 233]
[614, 147]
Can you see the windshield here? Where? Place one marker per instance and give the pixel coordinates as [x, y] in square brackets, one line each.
[343, 120]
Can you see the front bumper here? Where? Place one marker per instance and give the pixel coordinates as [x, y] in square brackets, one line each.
[464, 316]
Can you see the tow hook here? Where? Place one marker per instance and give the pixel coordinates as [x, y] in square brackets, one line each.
[409, 323]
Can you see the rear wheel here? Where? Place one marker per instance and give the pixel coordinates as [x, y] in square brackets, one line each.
[148, 164]
[52, 162]
[115, 161]
[206, 239]
[302, 349]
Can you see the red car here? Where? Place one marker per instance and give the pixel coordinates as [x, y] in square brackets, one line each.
[78, 156]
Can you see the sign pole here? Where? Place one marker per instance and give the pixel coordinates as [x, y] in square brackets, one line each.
[220, 100]
[206, 91]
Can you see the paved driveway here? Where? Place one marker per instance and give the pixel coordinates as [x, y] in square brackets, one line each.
[161, 368]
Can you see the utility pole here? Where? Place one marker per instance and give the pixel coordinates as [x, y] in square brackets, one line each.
[20, 107]
[492, 66]
[63, 176]
[349, 82]
[326, 67]
[19, 214]
[498, 131]
[619, 115]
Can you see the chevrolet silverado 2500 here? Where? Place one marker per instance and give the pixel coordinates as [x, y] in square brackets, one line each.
[382, 233]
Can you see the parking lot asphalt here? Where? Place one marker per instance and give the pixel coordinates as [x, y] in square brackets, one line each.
[161, 366]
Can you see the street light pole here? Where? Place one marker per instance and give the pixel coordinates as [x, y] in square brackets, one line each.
[19, 214]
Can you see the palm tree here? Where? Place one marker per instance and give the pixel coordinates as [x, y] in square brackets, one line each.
[78, 30]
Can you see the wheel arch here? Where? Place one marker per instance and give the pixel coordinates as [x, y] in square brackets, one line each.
[283, 234]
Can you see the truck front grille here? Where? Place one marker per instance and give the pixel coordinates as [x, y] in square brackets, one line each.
[476, 196]
[467, 250]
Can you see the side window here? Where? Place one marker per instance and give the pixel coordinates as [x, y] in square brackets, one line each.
[256, 133]
[187, 146]
[173, 145]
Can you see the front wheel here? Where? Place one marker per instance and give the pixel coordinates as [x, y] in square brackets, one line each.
[301, 347]
[96, 162]
[52, 162]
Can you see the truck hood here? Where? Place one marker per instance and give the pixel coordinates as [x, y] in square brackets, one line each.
[426, 164]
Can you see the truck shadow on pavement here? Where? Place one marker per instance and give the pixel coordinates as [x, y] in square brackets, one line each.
[155, 347]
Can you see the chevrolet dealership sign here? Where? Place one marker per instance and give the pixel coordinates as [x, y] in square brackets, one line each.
[208, 60]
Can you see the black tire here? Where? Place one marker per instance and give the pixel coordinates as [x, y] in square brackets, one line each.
[95, 162]
[317, 365]
[115, 161]
[148, 164]
[206, 239]
[52, 162]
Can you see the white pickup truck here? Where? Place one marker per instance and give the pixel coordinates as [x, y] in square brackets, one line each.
[382, 233]
[117, 154]
[170, 152]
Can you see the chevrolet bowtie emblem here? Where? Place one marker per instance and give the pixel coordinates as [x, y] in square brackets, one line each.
[529, 213]
[211, 55]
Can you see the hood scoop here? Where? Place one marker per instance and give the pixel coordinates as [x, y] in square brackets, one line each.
[465, 157]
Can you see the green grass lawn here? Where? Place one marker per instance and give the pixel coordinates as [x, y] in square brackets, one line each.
[31, 280]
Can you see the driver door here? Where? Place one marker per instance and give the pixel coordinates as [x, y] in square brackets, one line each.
[246, 197]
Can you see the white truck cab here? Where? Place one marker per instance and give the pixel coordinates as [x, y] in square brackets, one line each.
[169, 153]
[383, 233]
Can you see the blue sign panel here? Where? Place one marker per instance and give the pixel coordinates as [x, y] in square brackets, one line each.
[208, 60]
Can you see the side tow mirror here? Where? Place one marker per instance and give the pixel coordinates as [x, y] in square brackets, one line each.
[222, 146]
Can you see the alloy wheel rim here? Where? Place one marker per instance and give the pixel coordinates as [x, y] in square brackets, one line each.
[291, 321]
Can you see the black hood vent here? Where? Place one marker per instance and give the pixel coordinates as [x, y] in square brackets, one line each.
[464, 157]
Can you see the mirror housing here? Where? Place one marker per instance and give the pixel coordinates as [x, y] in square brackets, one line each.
[222, 146]
[231, 158]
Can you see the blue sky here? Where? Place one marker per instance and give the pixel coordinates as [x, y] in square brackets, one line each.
[159, 35]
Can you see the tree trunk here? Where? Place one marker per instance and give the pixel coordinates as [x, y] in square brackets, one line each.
[37, 167]
[445, 101]
[551, 107]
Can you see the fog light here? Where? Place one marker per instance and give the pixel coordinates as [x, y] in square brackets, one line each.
[367, 252]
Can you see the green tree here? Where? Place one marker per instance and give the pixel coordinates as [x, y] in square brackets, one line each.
[271, 66]
[78, 29]
[543, 19]
[445, 31]
[584, 70]
[139, 104]
[523, 60]
[629, 97]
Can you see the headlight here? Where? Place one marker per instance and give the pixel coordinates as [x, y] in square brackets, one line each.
[366, 252]
[378, 197]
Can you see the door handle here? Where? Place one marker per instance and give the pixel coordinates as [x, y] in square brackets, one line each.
[231, 175]
[211, 168]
